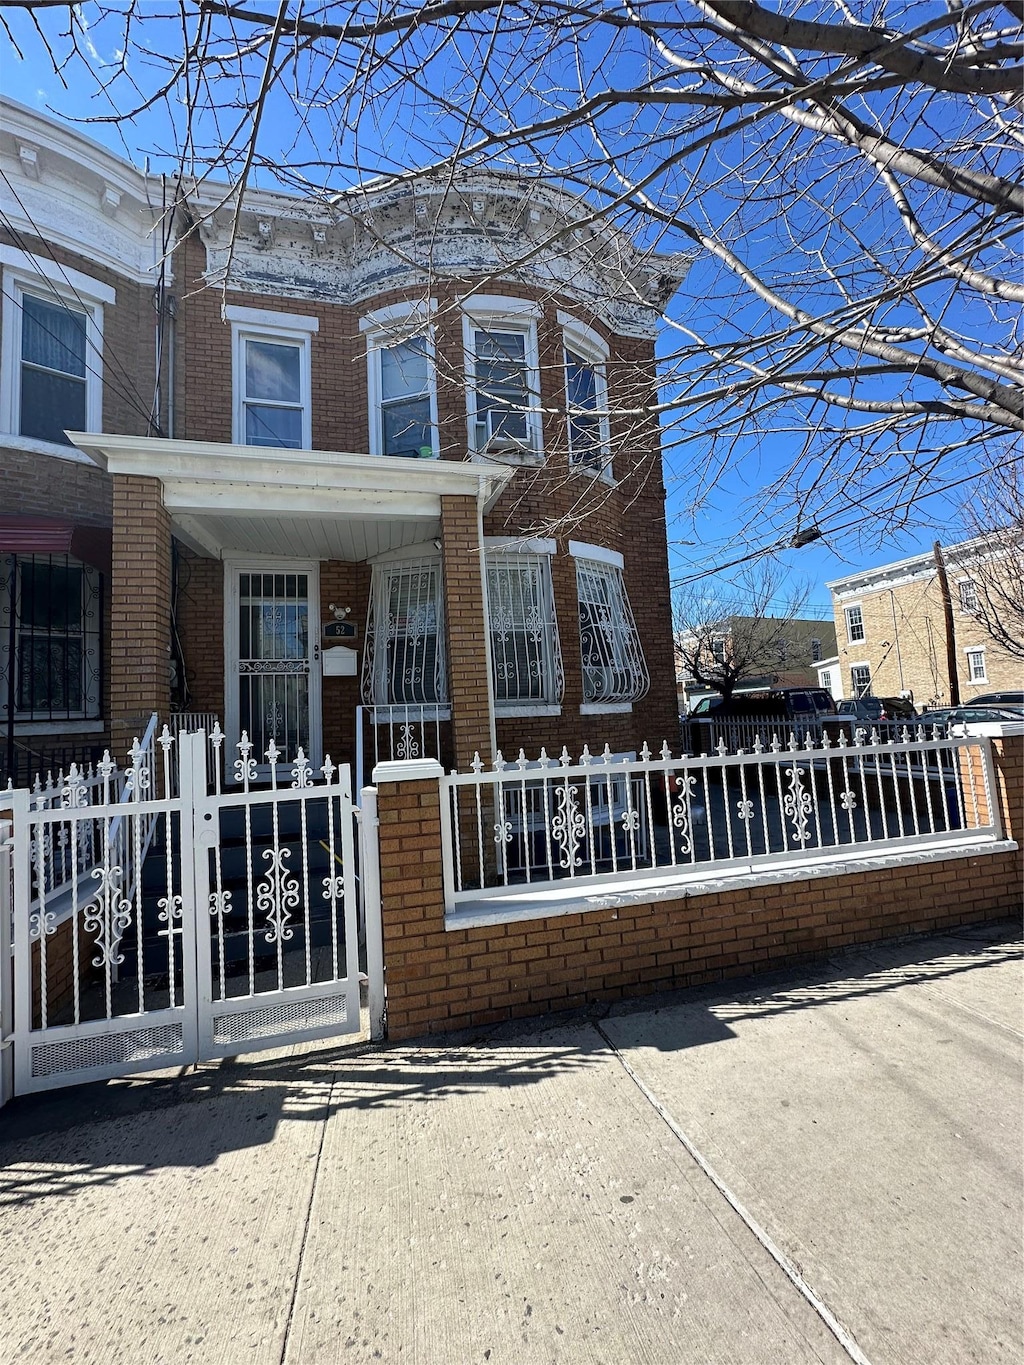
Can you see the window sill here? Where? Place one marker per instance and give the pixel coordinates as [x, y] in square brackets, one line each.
[59, 727]
[602, 475]
[530, 458]
[30, 444]
[504, 710]
[606, 708]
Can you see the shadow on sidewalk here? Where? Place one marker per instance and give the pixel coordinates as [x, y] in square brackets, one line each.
[66, 1141]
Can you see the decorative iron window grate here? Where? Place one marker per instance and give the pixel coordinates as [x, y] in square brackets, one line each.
[526, 660]
[403, 662]
[614, 668]
[50, 638]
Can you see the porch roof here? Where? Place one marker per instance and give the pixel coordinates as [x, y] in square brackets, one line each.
[315, 504]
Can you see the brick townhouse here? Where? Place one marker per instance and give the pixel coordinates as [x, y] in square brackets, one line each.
[891, 628]
[380, 473]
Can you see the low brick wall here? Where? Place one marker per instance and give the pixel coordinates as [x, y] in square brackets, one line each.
[440, 979]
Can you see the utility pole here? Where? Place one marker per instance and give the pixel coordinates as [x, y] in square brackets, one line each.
[947, 610]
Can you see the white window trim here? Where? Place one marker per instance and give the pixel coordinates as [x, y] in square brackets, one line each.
[586, 343]
[387, 327]
[579, 549]
[520, 545]
[961, 584]
[45, 281]
[243, 331]
[260, 318]
[495, 313]
[976, 649]
[864, 663]
[847, 608]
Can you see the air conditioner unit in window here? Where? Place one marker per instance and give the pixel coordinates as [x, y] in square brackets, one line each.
[493, 436]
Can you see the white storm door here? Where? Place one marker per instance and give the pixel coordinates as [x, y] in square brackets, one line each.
[272, 633]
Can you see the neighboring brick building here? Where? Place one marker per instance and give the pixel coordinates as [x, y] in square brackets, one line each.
[377, 470]
[782, 653]
[892, 635]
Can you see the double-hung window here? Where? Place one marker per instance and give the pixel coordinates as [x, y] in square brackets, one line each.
[854, 624]
[400, 381]
[503, 378]
[526, 662]
[969, 595]
[614, 668]
[51, 628]
[272, 386]
[403, 661]
[860, 680]
[51, 377]
[976, 665]
[586, 396]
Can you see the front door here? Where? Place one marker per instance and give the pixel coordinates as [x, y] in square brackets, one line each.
[272, 633]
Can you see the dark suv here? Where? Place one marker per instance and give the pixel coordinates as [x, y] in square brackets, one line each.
[878, 708]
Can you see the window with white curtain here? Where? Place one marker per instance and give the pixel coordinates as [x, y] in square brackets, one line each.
[526, 663]
[404, 660]
[614, 668]
[51, 375]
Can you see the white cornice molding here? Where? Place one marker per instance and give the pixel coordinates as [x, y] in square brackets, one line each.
[918, 567]
[77, 195]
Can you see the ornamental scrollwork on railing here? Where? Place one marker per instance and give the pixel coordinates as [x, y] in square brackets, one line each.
[798, 804]
[277, 896]
[408, 745]
[569, 826]
[681, 813]
[107, 917]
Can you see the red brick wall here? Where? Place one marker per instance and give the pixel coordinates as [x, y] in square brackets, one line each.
[465, 627]
[140, 612]
[440, 979]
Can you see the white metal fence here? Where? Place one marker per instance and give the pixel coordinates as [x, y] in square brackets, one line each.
[549, 821]
[239, 930]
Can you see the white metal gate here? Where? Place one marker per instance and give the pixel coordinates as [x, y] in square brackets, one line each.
[163, 916]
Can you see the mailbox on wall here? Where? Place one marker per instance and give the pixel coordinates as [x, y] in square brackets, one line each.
[340, 662]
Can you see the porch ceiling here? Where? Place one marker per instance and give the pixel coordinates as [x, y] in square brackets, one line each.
[314, 504]
[303, 537]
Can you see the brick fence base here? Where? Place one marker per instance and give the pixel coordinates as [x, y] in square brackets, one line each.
[442, 978]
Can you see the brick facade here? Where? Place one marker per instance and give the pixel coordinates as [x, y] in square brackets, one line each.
[156, 598]
[441, 979]
[904, 641]
[140, 612]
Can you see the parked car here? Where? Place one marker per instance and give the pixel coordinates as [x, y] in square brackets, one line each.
[785, 703]
[1010, 698]
[958, 720]
[873, 709]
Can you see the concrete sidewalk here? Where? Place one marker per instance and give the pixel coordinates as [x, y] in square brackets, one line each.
[820, 1167]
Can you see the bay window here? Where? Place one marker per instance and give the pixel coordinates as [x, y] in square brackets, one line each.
[614, 669]
[52, 360]
[404, 658]
[526, 664]
[586, 396]
[503, 378]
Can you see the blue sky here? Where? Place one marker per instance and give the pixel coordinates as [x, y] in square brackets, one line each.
[732, 524]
